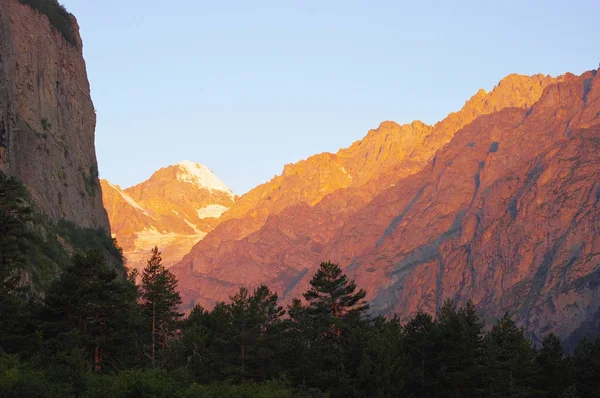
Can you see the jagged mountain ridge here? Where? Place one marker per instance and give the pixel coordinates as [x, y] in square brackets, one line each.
[175, 208]
[381, 151]
[392, 146]
[349, 225]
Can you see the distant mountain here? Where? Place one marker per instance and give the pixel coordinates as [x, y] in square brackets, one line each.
[175, 208]
[497, 203]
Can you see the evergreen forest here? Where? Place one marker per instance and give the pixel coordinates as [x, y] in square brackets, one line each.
[98, 330]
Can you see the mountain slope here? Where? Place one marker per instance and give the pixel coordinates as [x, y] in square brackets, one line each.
[364, 169]
[367, 167]
[175, 208]
[396, 233]
[507, 216]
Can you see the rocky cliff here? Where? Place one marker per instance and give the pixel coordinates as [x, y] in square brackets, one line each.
[340, 183]
[497, 203]
[326, 189]
[174, 209]
[47, 118]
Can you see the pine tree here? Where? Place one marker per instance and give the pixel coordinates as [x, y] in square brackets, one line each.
[160, 301]
[421, 341]
[242, 335]
[253, 320]
[473, 350]
[319, 331]
[15, 212]
[332, 296]
[206, 349]
[459, 353]
[15, 240]
[266, 314]
[586, 368]
[90, 307]
[553, 367]
[193, 349]
[300, 339]
[375, 359]
[510, 360]
[263, 303]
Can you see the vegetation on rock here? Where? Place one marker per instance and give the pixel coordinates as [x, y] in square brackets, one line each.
[39, 248]
[58, 16]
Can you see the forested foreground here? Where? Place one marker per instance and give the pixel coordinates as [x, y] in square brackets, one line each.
[98, 332]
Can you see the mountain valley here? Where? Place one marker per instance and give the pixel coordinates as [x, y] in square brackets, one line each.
[415, 213]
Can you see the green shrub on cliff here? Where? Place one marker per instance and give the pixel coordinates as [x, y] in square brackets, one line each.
[57, 14]
[30, 242]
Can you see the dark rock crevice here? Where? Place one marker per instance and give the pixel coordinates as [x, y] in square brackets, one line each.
[477, 179]
[388, 231]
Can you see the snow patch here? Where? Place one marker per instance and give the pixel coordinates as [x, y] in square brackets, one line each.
[345, 172]
[129, 199]
[209, 211]
[189, 223]
[201, 176]
[150, 237]
[194, 227]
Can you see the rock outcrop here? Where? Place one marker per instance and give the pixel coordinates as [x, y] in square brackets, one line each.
[497, 203]
[174, 209]
[47, 118]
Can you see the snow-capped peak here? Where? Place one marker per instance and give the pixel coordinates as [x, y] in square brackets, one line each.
[128, 198]
[201, 176]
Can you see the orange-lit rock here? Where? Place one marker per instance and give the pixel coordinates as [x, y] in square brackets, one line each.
[279, 241]
[498, 203]
[399, 149]
[173, 209]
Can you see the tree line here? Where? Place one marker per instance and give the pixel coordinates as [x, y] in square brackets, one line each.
[98, 332]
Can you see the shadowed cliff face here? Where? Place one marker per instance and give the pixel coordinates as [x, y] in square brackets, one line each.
[505, 213]
[47, 117]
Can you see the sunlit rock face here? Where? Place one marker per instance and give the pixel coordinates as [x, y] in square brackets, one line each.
[47, 118]
[498, 203]
[173, 209]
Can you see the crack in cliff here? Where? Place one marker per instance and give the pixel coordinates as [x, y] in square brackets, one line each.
[477, 182]
[421, 255]
[530, 179]
[439, 282]
[429, 251]
[587, 87]
[292, 285]
[400, 217]
[541, 275]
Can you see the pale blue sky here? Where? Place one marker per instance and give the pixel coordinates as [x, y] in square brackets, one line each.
[245, 87]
